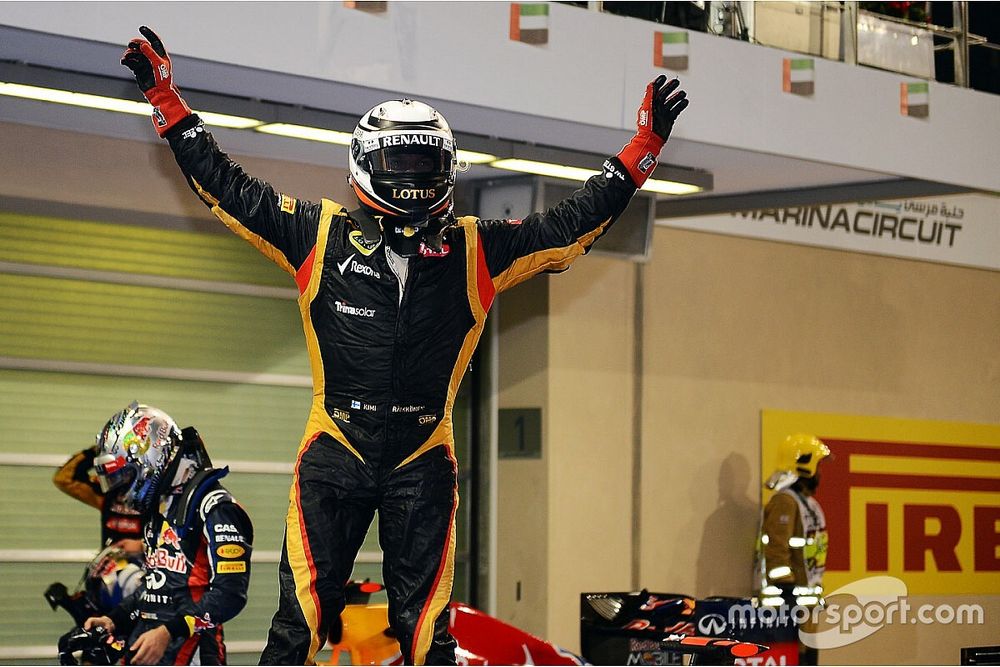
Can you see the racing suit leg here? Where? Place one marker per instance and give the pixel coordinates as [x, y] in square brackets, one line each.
[332, 504]
[417, 535]
[203, 648]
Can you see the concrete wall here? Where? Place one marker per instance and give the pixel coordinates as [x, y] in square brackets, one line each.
[732, 326]
[591, 348]
[523, 484]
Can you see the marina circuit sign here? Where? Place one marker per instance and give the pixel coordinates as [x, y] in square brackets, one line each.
[959, 229]
[917, 500]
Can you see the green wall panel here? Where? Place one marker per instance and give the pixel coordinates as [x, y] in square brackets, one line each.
[61, 413]
[76, 320]
[133, 249]
[34, 514]
[27, 618]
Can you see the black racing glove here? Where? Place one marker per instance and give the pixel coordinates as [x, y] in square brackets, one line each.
[150, 64]
[667, 106]
[655, 119]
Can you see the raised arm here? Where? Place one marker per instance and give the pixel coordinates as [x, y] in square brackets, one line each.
[515, 250]
[73, 479]
[281, 227]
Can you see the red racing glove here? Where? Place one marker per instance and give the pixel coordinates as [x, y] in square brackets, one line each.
[655, 119]
[150, 65]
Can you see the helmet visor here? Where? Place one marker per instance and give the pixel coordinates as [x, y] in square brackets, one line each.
[419, 161]
[113, 472]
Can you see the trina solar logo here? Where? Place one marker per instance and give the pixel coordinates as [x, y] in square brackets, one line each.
[928, 513]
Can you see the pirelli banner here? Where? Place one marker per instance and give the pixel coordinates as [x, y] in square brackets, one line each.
[913, 499]
[959, 229]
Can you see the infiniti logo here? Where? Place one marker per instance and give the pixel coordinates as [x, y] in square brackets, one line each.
[155, 580]
[712, 625]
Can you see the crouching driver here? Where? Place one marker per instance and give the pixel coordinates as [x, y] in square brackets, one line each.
[197, 540]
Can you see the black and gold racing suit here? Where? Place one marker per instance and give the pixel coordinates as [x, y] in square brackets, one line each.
[386, 367]
[118, 520]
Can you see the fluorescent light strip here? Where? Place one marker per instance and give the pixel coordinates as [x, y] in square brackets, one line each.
[670, 187]
[113, 104]
[319, 134]
[344, 139]
[472, 157]
[305, 132]
[578, 174]
[225, 120]
[75, 99]
[544, 169]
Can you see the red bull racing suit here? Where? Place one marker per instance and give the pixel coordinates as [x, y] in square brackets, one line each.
[197, 573]
[386, 365]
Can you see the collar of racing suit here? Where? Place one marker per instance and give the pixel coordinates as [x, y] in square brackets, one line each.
[405, 239]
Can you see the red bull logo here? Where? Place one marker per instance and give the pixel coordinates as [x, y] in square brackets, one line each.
[196, 625]
[164, 560]
[168, 536]
[141, 428]
[203, 623]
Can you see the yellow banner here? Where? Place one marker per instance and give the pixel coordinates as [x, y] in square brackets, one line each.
[914, 499]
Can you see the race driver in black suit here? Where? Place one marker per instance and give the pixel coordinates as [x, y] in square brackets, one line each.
[394, 294]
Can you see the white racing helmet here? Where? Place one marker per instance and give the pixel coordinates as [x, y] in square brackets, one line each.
[402, 161]
[135, 451]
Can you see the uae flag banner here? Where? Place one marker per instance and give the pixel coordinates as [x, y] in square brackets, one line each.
[914, 99]
[529, 22]
[372, 6]
[798, 76]
[670, 50]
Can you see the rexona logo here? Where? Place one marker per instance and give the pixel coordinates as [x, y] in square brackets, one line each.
[355, 311]
[357, 267]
